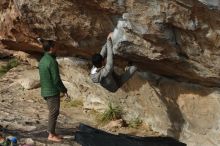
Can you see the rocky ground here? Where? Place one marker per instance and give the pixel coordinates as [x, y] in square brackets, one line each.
[163, 106]
[23, 113]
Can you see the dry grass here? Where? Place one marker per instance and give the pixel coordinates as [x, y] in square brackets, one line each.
[72, 103]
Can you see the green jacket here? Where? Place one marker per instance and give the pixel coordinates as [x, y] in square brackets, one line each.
[51, 83]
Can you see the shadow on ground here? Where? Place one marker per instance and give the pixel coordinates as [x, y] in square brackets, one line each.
[41, 135]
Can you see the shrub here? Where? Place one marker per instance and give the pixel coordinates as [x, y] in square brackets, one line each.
[111, 113]
[135, 123]
[11, 64]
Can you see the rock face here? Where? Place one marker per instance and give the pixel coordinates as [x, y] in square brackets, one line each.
[174, 38]
[178, 39]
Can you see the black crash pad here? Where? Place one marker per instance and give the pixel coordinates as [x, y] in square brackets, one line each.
[89, 136]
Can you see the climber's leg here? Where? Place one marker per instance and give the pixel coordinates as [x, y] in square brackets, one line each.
[127, 75]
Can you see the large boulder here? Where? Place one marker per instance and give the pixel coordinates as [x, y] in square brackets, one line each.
[187, 112]
[177, 39]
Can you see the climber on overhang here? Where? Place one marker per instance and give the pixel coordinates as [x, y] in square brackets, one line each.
[104, 73]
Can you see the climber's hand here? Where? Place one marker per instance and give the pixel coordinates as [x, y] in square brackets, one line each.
[110, 35]
[67, 97]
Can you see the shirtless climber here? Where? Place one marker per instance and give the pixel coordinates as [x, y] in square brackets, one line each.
[104, 74]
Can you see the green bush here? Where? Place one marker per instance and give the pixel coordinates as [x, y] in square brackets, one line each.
[111, 113]
[135, 123]
[11, 64]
